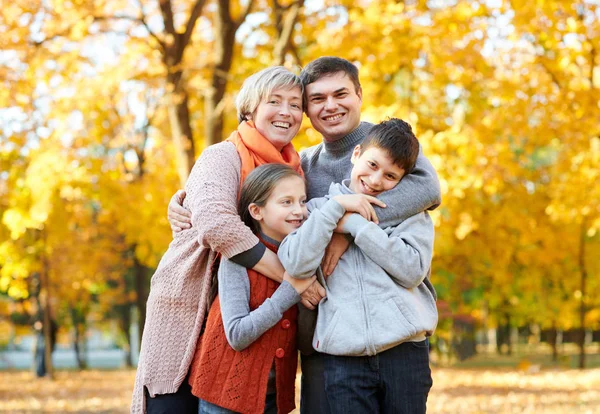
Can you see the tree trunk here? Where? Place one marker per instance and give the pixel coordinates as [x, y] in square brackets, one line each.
[284, 23]
[583, 287]
[553, 341]
[47, 328]
[79, 330]
[125, 326]
[139, 272]
[225, 29]
[179, 119]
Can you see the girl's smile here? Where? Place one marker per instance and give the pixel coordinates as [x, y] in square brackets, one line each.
[285, 209]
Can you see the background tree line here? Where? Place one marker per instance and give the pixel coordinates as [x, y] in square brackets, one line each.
[105, 105]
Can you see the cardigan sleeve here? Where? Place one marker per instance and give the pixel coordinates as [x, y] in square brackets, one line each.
[212, 192]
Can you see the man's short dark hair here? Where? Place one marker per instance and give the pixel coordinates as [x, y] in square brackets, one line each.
[397, 138]
[329, 65]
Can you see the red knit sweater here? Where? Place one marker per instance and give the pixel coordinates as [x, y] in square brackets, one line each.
[238, 380]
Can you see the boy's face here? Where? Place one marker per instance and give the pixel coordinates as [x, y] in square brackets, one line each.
[374, 171]
[333, 106]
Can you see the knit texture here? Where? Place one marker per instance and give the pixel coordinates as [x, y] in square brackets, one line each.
[180, 288]
[238, 380]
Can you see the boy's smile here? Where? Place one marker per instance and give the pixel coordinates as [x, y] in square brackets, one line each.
[374, 171]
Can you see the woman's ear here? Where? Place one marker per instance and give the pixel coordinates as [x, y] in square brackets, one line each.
[355, 154]
[255, 211]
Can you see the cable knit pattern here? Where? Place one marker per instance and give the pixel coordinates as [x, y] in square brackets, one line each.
[238, 380]
[180, 288]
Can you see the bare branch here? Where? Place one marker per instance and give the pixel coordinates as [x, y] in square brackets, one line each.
[140, 20]
[167, 13]
[551, 74]
[194, 15]
[286, 29]
[244, 14]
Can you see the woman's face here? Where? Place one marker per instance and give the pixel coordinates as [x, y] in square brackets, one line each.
[278, 117]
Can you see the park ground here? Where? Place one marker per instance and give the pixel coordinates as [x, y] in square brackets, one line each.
[456, 390]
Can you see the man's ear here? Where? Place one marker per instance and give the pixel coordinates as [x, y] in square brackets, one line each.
[359, 93]
[255, 211]
[355, 154]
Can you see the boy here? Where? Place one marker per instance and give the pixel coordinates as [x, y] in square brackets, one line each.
[380, 306]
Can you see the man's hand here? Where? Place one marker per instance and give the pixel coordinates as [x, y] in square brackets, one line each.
[179, 217]
[337, 247]
[313, 295]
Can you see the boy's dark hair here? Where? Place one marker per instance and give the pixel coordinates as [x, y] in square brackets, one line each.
[329, 65]
[397, 138]
[257, 188]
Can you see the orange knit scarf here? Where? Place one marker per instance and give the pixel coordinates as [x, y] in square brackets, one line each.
[256, 150]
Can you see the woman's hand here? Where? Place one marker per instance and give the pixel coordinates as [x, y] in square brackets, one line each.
[179, 217]
[299, 284]
[361, 204]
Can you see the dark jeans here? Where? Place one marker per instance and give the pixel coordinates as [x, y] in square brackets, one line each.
[182, 402]
[313, 399]
[209, 408]
[395, 381]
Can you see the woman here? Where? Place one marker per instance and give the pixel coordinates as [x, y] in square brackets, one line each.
[269, 108]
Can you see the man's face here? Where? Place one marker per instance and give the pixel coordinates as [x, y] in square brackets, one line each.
[333, 106]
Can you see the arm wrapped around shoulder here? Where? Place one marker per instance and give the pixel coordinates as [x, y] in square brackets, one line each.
[212, 192]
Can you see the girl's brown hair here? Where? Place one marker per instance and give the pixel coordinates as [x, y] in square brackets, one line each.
[258, 187]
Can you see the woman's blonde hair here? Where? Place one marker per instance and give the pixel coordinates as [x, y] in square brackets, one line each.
[260, 85]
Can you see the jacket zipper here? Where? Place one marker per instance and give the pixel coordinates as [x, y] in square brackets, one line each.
[360, 274]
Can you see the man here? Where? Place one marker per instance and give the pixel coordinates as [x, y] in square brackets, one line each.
[332, 102]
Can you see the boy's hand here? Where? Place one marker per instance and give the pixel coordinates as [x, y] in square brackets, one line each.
[337, 247]
[179, 217]
[361, 204]
[299, 284]
[313, 295]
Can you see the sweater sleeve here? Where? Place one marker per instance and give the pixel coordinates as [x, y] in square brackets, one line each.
[301, 251]
[416, 192]
[212, 191]
[242, 326]
[405, 254]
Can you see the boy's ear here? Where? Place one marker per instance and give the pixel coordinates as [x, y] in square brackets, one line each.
[355, 154]
[255, 212]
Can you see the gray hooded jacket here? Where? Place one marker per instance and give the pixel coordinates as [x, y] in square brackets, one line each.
[379, 294]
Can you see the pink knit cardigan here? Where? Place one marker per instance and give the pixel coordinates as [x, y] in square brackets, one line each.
[178, 300]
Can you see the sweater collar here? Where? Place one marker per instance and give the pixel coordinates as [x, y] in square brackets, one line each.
[269, 240]
[351, 140]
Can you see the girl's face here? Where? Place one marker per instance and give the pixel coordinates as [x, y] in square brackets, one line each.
[285, 209]
[279, 116]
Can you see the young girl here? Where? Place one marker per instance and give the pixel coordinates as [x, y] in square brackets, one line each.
[246, 359]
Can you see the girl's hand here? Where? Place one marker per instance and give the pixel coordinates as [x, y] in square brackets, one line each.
[299, 284]
[361, 204]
